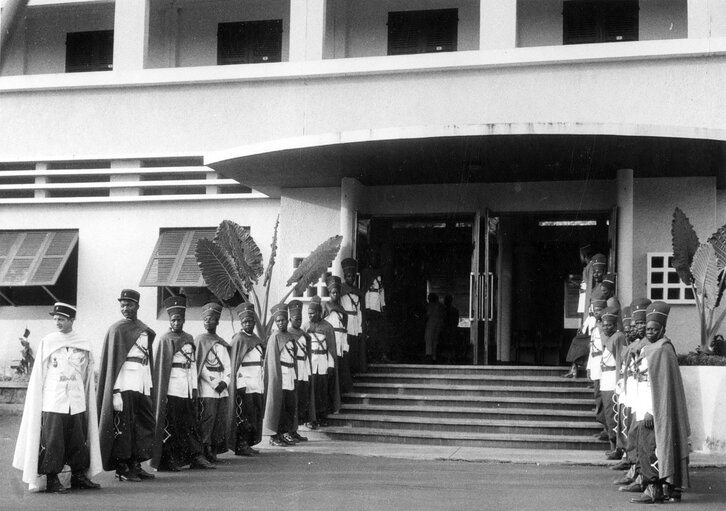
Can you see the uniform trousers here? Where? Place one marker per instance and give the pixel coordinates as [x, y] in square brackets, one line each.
[302, 392]
[286, 423]
[357, 354]
[133, 429]
[599, 407]
[63, 442]
[184, 443]
[249, 417]
[321, 395]
[631, 451]
[609, 415]
[646, 453]
[213, 424]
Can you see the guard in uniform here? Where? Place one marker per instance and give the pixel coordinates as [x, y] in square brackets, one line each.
[593, 326]
[177, 441]
[614, 344]
[662, 416]
[214, 367]
[326, 395]
[335, 314]
[126, 416]
[303, 366]
[59, 425]
[352, 300]
[280, 400]
[247, 386]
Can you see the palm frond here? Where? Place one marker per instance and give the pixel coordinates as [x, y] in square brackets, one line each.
[314, 265]
[273, 255]
[685, 245]
[705, 270]
[238, 242]
[218, 269]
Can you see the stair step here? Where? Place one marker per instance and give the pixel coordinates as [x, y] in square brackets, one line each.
[470, 379]
[408, 436]
[523, 414]
[470, 390]
[541, 403]
[446, 424]
[457, 369]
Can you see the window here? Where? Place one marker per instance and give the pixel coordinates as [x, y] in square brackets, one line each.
[427, 31]
[249, 42]
[663, 281]
[38, 267]
[599, 21]
[318, 288]
[89, 51]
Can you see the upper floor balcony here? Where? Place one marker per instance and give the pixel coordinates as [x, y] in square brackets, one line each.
[181, 40]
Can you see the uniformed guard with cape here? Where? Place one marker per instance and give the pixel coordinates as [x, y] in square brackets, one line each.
[126, 436]
[66, 357]
[353, 300]
[304, 385]
[326, 388]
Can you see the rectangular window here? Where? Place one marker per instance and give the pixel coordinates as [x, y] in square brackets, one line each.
[38, 267]
[428, 31]
[663, 281]
[89, 51]
[599, 21]
[249, 42]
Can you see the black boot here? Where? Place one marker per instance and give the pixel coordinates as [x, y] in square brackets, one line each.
[126, 472]
[143, 474]
[53, 484]
[652, 495]
[210, 455]
[79, 481]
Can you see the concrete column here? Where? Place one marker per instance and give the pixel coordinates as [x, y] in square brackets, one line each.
[133, 179]
[350, 200]
[625, 197]
[307, 29]
[699, 19]
[130, 35]
[11, 12]
[497, 24]
[504, 312]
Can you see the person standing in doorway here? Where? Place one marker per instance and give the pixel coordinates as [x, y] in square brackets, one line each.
[59, 425]
[435, 321]
[125, 409]
[352, 300]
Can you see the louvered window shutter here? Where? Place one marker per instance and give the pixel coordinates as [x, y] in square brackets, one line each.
[173, 263]
[89, 51]
[426, 31]
[248, 42]
[34, 258]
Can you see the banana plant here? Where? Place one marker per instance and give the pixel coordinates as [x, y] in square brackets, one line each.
[701, 266]
[232, 263]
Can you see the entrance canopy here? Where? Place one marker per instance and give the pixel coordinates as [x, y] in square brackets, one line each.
[452, 154]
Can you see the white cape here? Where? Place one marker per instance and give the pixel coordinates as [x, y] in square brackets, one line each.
[28, 445]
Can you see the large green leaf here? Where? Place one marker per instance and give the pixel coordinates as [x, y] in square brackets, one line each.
[718, 240]
[314, 265]
[218, 269]
[705, 271]
[273, 255]
[685, 245]
[238, 242]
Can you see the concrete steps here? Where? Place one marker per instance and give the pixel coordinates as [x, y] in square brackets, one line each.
[491, 406]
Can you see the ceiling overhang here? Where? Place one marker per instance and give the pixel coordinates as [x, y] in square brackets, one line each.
[471, 153]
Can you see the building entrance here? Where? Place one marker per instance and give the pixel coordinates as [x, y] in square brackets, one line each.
[419, 256]
[535, 275]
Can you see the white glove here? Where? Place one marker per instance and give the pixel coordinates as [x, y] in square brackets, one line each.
[118, 403]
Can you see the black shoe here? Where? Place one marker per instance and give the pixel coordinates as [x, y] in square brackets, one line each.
[244, 450]
[209, 454]
[276, 441]
[623, 465]
[634, 487]
[202, 463]
[601, 436]
[169, 466]
[615, 454]
[297, 436]
[141, 473]
[287, 437]
[311, 426]
[53, 485]
[623, 481]
[80, 481]
[652, 495]
[124, 473]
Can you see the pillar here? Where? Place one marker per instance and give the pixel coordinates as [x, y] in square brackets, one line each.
[307, 29]
[626, 219]
[130, 35]
[11, 12]
[350, 200]
[497, 24]
[699, 19]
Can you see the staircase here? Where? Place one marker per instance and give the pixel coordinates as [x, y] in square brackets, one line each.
[471, 406]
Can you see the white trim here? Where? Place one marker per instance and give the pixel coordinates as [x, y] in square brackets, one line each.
[366, 66]
[201, 169]
[118, 184]
[139, 198]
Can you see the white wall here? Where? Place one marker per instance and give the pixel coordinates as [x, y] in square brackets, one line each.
[655, 199]
[115, 244]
